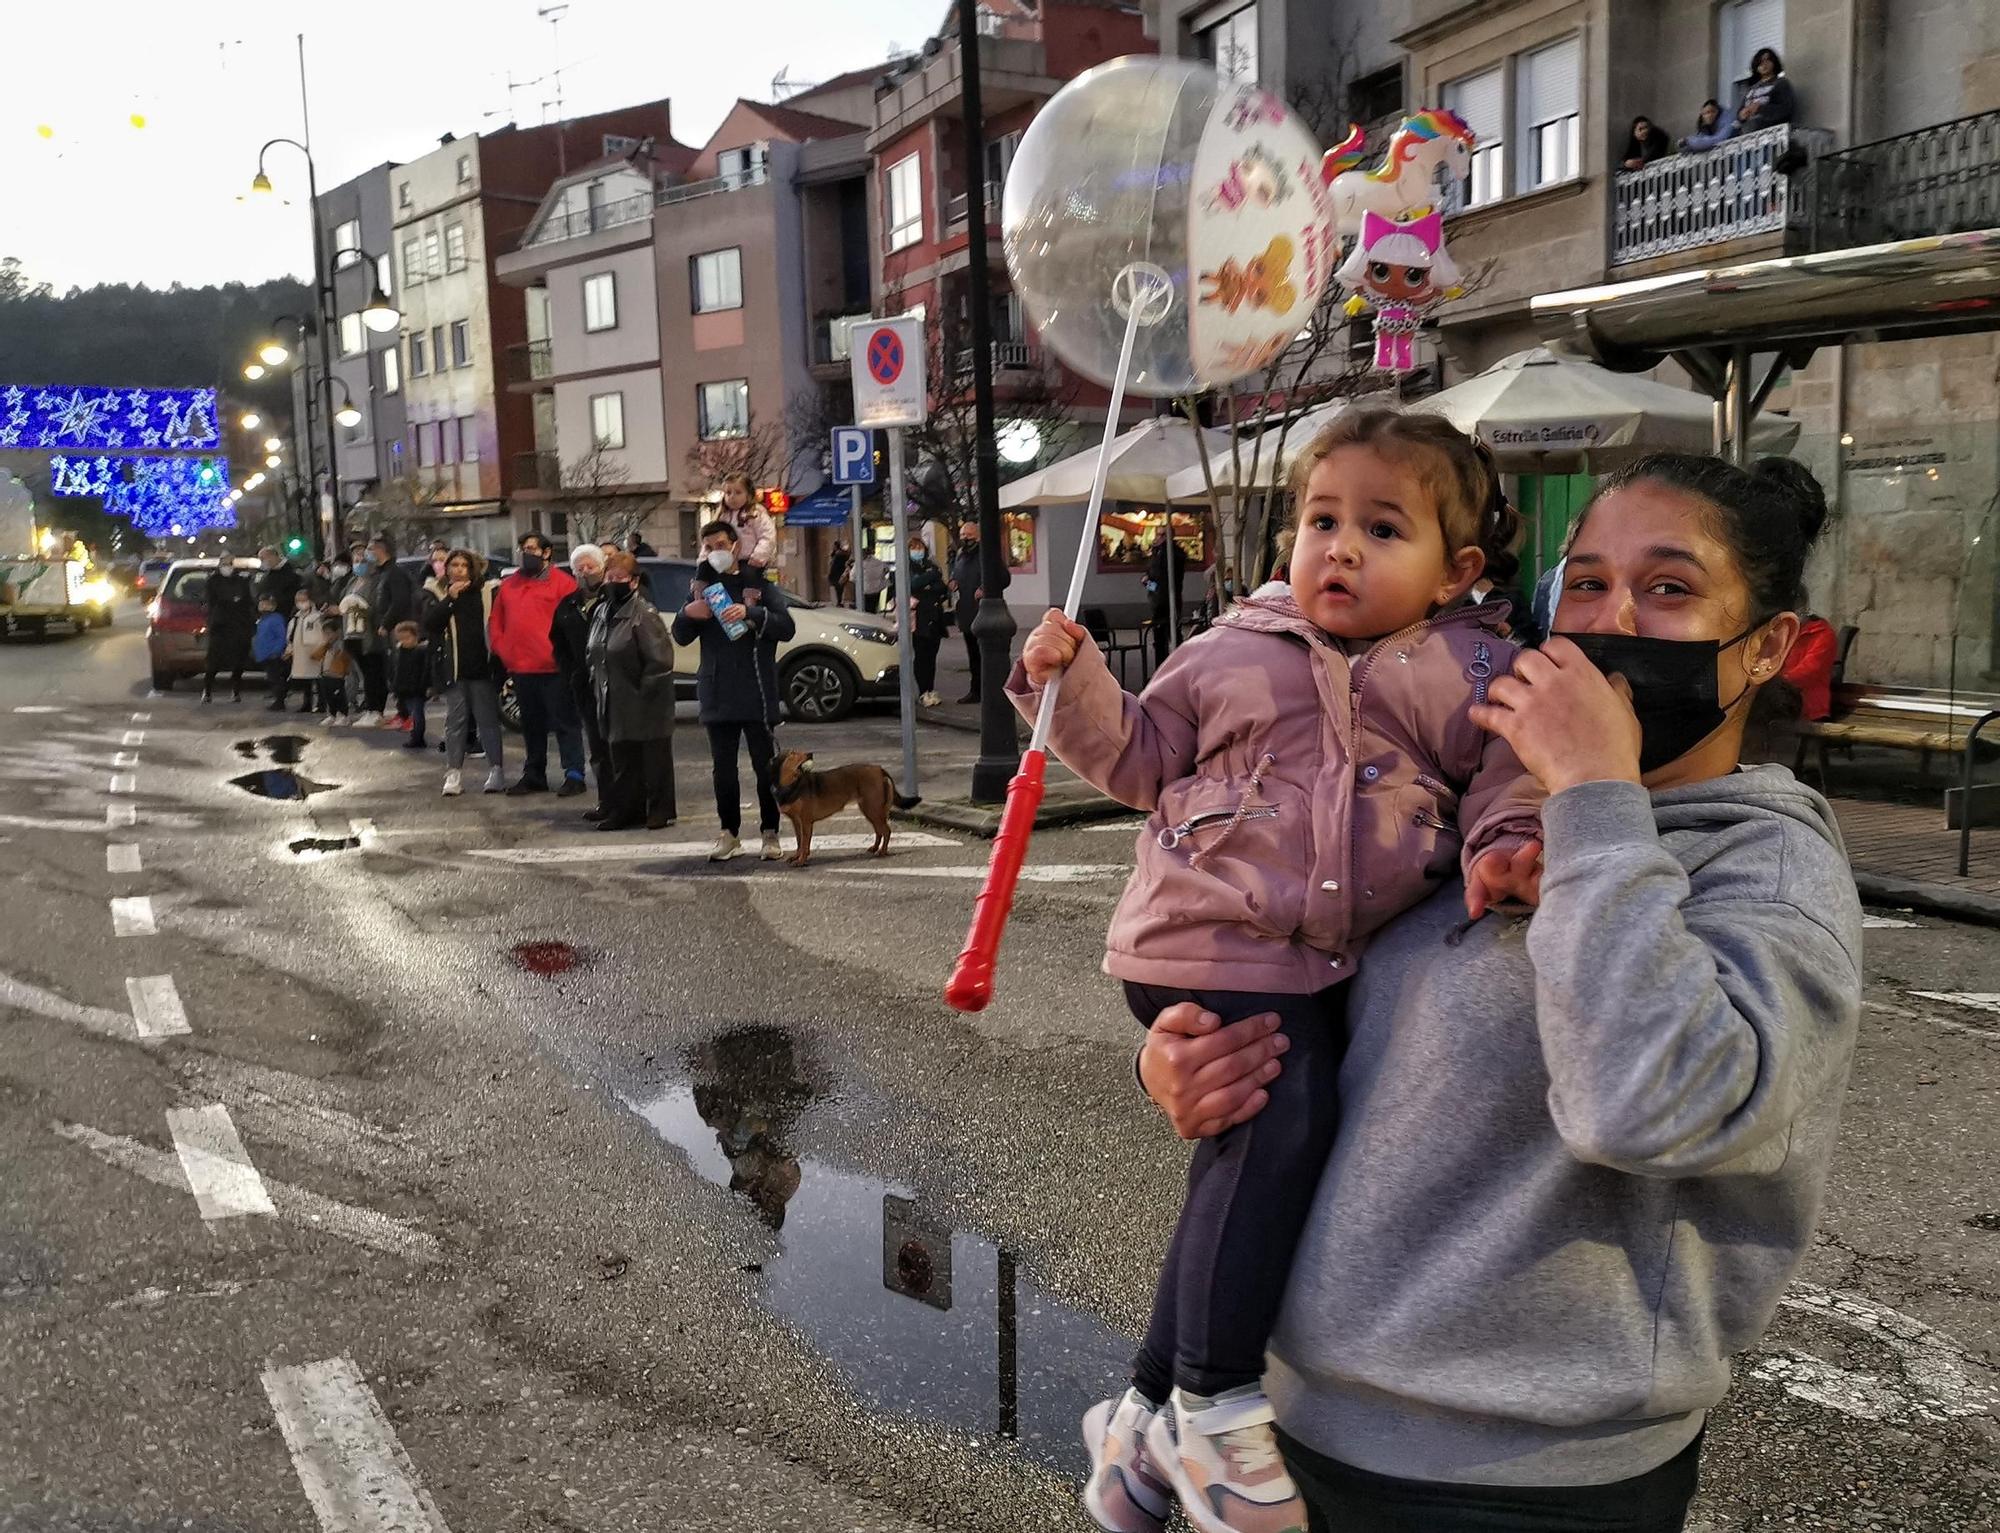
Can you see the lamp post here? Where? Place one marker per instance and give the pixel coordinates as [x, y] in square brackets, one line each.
[302, 441]
[999, 745]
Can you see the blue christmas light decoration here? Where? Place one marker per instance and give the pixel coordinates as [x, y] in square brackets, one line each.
[114, 420]
[154, 494]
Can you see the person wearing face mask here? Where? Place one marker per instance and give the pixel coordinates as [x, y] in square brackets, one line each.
[569, 633]
[737, 681]
[921, 594]
[520, 639]
[278, 580]
[1653, 1086]
[457, 613]
[632, 696]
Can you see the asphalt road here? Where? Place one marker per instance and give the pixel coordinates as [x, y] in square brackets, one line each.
[510, 1176]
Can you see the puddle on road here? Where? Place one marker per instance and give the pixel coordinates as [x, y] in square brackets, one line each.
[283, 750]
[920, 1319]
[309, 847]
[279, 784]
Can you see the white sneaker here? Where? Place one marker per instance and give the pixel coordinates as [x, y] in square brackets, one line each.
[1222, 1459]
[1125, 1493]
[496, 782]
[454, 784]
[772, 850]
[328, 720]
[367, 720]
[931, 700]
[726, 846]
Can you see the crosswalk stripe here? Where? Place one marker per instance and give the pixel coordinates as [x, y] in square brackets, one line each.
[125, 759]
[121, 857]
[632, 851]
[133, 737]
[224, 1183]
[123, 782]
[121, 816]
[355, 1472]
[132, 916]
[156, 1006]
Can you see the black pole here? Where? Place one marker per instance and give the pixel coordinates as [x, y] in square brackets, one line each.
[999, 744]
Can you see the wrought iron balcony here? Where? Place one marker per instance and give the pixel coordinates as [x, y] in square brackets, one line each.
[1944, 179]
[1008, 356]
[1709, 197]
[604, 215]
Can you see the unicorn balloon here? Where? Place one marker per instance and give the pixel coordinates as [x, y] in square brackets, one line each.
[1401, 271]
[1406, 180]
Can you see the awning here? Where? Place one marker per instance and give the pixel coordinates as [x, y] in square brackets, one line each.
[1143, 459]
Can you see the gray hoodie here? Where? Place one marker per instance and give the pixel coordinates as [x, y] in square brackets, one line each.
[1580, 1156]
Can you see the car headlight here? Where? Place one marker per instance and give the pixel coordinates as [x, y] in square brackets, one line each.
[867, 634]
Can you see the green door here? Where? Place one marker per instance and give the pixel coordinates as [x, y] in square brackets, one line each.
[1550, 504]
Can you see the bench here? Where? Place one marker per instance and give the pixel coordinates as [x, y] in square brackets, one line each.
[1930, 723]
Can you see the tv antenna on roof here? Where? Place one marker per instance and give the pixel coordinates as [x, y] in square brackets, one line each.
[783, 85]
[553, 15]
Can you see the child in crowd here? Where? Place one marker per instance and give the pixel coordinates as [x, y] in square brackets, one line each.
[267, 648]
[335, 662]
[410, 677]
[302, 650]
[1311, 771]
[756, 532]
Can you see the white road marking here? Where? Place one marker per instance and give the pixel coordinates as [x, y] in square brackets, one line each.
[219, 1174]
[156, 1006]
[120, 816]
[1935, 1379]
[1886, 923]
[34, 822]
[22, 996]
[141, 718]
[132, 916]
[124, 782]
[365, 829]
[1114, 828]
[355, 1472]
[633, 851]
[133, 737]
[1978, 1000]
[362, 1226]
[121, 857]
[1033, 873]
[125, 759]
[37, 708]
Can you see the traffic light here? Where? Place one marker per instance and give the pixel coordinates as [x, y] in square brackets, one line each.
[295, 545]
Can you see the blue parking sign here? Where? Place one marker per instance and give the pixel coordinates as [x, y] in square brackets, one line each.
[853, 455]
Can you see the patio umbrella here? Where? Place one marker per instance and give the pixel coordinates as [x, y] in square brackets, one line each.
[1142, 460]
[1264, 468]
[1542, 409]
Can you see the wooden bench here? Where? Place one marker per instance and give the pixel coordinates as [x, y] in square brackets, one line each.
[1919, 719]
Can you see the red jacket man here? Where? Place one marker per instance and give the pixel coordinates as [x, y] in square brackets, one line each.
[518, 635]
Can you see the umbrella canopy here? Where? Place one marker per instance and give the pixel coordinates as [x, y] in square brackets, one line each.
[1142, 461]
[1263, 466]
[1539, 405]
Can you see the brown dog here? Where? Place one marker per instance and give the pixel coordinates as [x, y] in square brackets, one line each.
[808, 797]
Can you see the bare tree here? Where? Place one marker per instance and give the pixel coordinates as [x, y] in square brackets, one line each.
[595, 496]
[766, 450]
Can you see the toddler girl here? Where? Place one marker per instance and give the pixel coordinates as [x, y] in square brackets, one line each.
[756, 532]
[1311, 771]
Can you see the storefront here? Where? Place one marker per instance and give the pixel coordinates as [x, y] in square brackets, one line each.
[1042, 548]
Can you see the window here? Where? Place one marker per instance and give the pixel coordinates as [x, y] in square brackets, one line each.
[346, 244]
[468, 439]
[1020, 539]
[448, 440]
[433, 262]
[717, 280]
[1376, 97]
[743, 167]
[723, 409]
[352, 340]
[437, 348]
[402, 194]
[392, 370]
[1231, 44]
[1125, 538]
[465, 170]
[618, 143]
[454, 247]
[600, 301]
[413, 262]
[417, 367]
[425, 436]
[461, 343]
[385, 274]
[396, 459]
[607, 419]
[1481, 100]
[904, 191]
[999, 160]
[1741, 28]
[1551, 112]
[991, 24]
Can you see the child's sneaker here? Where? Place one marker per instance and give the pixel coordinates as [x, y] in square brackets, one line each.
[1125, 1492]
[1221, 1458]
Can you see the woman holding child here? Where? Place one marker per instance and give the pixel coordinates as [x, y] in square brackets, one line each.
[1574, 1158]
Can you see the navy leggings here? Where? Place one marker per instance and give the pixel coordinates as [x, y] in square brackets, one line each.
[1249, 1191]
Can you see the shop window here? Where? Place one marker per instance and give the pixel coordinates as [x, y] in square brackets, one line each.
[1021, 550]
[1126, 535]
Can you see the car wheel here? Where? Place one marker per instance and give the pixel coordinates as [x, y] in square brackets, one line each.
[819, 688]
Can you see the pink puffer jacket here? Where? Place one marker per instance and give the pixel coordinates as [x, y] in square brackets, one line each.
[1299, 799]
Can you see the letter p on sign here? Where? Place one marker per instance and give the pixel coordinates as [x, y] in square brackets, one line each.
[853, 455]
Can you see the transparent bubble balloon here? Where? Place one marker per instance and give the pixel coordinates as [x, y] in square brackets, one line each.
[1155, 181]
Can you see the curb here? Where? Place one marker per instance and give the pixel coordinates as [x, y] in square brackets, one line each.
[1934, 899]
[984, 819]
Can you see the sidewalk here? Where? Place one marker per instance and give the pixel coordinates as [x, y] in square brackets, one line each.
[1903, 855]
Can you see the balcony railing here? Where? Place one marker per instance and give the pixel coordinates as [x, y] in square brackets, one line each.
[959, 208]
[736, 180]
[537, 471]
[605, 215]
[831, 343]
[1943, 179]
[1732, 192]
[1008, 356]
[528, 361]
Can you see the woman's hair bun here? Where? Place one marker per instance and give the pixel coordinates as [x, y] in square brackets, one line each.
[1799, 489]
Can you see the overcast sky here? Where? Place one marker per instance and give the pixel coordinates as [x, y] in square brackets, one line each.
[100, 200]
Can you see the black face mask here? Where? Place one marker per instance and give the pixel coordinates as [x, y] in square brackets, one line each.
[1673, 687]
[618, 591]
[531, 564]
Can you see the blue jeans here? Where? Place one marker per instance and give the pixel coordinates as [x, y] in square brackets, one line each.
[1249, 1192]
[546, 704]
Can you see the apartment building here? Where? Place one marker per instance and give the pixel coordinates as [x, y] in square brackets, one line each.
[469, 444]
[366, 364]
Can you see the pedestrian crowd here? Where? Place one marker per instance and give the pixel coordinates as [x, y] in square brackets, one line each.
[1768, 100]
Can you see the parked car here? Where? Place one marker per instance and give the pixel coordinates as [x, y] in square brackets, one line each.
[177, 619]
[151, 574]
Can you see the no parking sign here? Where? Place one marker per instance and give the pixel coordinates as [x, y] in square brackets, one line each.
[887, 361]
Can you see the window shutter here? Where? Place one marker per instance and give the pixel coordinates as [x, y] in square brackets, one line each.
[1744, 27]
[1550, 83]
[1480, 100]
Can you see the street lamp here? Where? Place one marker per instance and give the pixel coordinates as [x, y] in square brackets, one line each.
[253, 370]
[251, 420]
[272, 444]
[274, 460]
[323, 298]
[273, 353]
